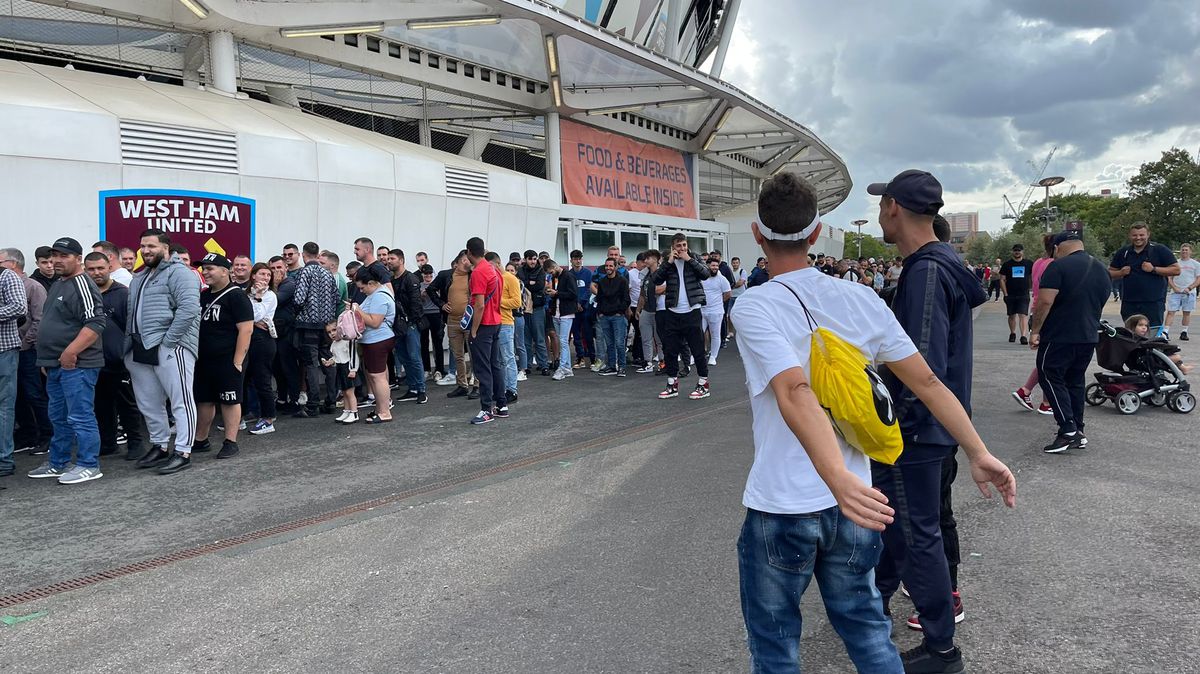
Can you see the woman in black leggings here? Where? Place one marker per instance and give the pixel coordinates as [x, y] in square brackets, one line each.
[262, 345]
[435, 330]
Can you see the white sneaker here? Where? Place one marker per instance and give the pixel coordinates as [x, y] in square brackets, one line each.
[343, 416]
[558, 376]
[351, 418]
[447, 380]
[303, 399]
[712, 361]
[521, 376]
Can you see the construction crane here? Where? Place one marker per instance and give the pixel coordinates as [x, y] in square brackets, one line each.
[1008, 212]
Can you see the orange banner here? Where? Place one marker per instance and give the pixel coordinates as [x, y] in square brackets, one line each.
[606, 170]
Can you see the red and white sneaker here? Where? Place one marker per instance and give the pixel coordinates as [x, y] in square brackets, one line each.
[1045, 408]
[1023, 399]
[959, 615]
[670, 391]
[701, 391]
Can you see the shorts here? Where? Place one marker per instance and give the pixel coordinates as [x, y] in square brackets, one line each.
[375, 356]
[344, 381]
[1152, 310]
[216, 380]
[1181, 302]
[1017, 304]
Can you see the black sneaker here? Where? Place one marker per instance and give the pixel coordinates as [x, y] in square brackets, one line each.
[621, 372]
[545, 372]
[685, 371]
[1024, 340]
[1081, 439]
[177, 463]
[1183, 336]
[202, 446]
[607, 371]
[229, 449]
[510, 396]
[458, 392]
[422, 398]
[155, 456]
[305, 413]
[1063, 442]
[500, 412]
[473, 394]
[922, 660]
[1012, 337]
[326, 408]
[409, 396]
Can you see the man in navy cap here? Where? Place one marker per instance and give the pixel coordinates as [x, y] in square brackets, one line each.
[933, 301]
[1066, 322]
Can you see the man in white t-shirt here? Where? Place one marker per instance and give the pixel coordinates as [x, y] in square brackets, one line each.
[1181, 294]
[811, 510]
[716, 292]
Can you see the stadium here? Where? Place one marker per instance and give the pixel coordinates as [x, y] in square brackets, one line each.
[242, 125]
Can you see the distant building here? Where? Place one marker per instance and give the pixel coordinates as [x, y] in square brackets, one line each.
[1108, 194]
[963, 226]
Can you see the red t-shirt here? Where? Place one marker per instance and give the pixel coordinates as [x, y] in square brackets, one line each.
[485, 280]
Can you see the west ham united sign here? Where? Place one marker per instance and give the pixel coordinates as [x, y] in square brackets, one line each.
[203, 222]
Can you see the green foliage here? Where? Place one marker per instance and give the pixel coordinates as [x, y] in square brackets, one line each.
[1168, 190]
[871, 247]
[979, 248]
[1102, 218]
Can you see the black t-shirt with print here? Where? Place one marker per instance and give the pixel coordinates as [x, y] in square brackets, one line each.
[1017, 277]
[220, 313]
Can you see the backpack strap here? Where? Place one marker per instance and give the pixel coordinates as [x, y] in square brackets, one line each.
[812, 322]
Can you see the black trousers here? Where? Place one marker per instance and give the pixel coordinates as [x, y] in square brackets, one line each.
[115, 401]
[287, 367]
[660, 327]
[309, 341]
[432, 335]
[681, 329]
[1062, 370]
[638, 356]
[259, 361]
[488, 368]
[949, 525]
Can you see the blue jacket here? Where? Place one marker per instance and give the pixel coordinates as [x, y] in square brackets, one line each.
[933, 303]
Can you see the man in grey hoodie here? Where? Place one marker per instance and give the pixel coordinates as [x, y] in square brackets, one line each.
[161, 342]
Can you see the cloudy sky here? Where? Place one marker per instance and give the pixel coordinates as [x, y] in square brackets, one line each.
[972, 90]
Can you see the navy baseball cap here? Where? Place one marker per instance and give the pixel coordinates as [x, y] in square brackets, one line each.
[916, 190]
[214, 259]
[1068, 235]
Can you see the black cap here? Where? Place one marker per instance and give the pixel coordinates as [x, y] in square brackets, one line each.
[1018, 246]
[916, 190]
[1068, 235]
[514, 256]
[67, 245]
[215, 260]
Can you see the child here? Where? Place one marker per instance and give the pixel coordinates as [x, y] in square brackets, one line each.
[343, 357]
[1139, 325]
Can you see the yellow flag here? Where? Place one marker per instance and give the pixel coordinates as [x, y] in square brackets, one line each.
[213, 247]
[139, 262]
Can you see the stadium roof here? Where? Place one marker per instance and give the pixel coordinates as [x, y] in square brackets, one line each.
[484, 68]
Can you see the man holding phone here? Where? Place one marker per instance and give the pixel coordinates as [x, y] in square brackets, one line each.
[683, 323]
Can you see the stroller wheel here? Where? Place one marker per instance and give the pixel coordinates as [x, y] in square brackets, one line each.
[1157, 399]
[1182, 401]
[1128, 402]
[1095, 394]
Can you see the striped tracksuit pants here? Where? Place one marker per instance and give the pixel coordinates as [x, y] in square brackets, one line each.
[168, 383]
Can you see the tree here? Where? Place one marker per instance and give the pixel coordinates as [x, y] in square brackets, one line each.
[871, 247]
[1168, 190]
[979, 248]
[1100, 216]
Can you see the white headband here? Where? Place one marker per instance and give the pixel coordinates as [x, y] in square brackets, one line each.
[767, 233]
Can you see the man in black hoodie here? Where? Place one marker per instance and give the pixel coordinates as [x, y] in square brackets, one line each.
[933, 301]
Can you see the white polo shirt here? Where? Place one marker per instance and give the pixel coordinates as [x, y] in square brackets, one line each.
[773, 335]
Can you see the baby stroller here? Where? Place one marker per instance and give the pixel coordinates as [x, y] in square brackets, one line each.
[1138, 370]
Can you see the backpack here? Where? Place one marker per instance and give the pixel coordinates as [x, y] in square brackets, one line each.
[852, 393]
[350, 325]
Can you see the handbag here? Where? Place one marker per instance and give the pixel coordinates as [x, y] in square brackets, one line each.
[465, 322]
[143, 355]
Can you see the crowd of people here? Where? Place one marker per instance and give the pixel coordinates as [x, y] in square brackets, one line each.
[150, 350]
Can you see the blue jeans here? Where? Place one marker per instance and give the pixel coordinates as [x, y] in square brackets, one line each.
[508, 356]
[583, 330]
[72, 396]
[562, 326]
[913, 550]
[519, 343]
[408, 353]
[9, 361]
[778, 555]
[614, 329]
[535, 337]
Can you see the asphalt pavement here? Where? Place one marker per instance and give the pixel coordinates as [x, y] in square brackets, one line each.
[593, 531]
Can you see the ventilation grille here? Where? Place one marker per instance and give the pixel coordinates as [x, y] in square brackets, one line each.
[178, 147]
[466, 184]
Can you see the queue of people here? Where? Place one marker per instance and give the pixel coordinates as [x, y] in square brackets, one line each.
[153, 357]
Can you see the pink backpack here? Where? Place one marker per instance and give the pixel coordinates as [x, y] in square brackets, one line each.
[350, 325]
